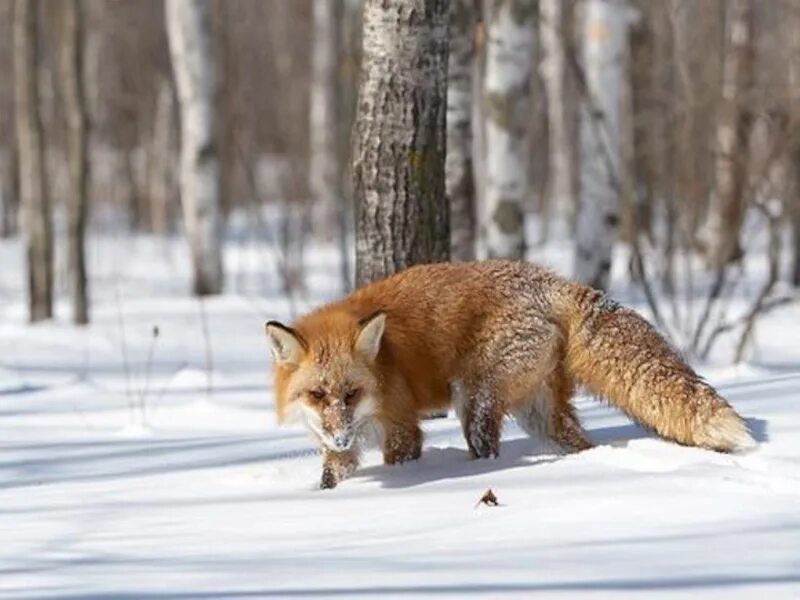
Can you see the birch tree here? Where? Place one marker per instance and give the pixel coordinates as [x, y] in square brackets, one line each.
[459, 172]
[36, 225]
[727, 208]
[605, 38]
[193, 61]
[399, 138]
[77, 132]
[553, 26]
[509, 46]
[793, 33]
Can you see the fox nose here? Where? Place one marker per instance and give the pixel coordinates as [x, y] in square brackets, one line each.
[342, 440]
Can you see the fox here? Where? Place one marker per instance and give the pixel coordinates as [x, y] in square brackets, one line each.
[491, 339]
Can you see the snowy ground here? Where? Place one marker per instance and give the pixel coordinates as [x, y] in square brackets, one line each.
[138, 466]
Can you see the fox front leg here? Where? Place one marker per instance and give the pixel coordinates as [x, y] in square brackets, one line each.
[337, 466]
[403, 443]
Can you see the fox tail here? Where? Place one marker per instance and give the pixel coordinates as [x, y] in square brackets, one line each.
[618, 355]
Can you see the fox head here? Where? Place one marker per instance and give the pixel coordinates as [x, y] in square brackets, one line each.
[324, 375]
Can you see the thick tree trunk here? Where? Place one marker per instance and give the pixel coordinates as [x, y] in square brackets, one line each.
[189, 33]
[36, 225]
[554, 23]
[605, 39]
[323, 165]
[509, 46]
[77, 131]
[727, 208]
[399, 138]
[459, 173]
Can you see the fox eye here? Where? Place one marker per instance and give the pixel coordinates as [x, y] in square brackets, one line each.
[317, 394]
[349, 395]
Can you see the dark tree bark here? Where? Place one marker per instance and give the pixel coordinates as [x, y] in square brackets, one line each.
[78, 132]
[35, 216]
[399, 138]
[9, 172]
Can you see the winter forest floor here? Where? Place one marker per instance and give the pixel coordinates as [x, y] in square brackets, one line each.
[142, 466]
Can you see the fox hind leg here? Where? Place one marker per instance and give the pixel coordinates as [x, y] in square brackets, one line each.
[481, 416]
[550, 417]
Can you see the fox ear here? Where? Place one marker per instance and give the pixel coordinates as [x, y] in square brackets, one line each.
[287, 345]
[368, 341]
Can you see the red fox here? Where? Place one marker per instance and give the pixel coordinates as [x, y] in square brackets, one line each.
[492, 338]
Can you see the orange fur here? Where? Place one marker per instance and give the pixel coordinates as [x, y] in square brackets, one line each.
[497, 338]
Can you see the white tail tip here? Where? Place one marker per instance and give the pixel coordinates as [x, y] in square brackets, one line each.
[728, 432]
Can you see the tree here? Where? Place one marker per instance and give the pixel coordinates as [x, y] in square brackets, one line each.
[793, 201]
[727, 208]
[459, 174]
[399, 138]
[36, 225]
[328, 210]
[605, 41]
[77, 130]
[554, 25]
[323, 169]
[509, 47]
[193, 61]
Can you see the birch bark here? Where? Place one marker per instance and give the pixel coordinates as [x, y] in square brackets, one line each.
[189, 33]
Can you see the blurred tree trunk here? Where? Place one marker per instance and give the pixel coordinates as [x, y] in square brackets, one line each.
[554, 25]
[36, 224]
[9, 191]
[399, 138]
[329, 212]
[509, 47]
[162, 168]
[727, 208]
[323, 168]
[605, 38]
[190, 42]
[459, 173]
[78, 134]
[793, 159]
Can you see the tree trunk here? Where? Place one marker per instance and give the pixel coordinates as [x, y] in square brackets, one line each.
[323, 165]
[77, 128]
[35, 215]
[554, 23]
[399, 138]
[190, 42]
[605, 44]
[9, 191]
[793, 155]
[727, 208]
[161, 173]
[459, 174]
[509, 47]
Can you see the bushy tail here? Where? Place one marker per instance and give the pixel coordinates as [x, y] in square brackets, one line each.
[617, 354]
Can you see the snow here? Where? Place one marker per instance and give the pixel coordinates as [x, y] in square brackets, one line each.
[123, 476]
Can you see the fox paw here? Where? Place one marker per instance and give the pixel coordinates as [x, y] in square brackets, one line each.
[328, 481]
[483, 449]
